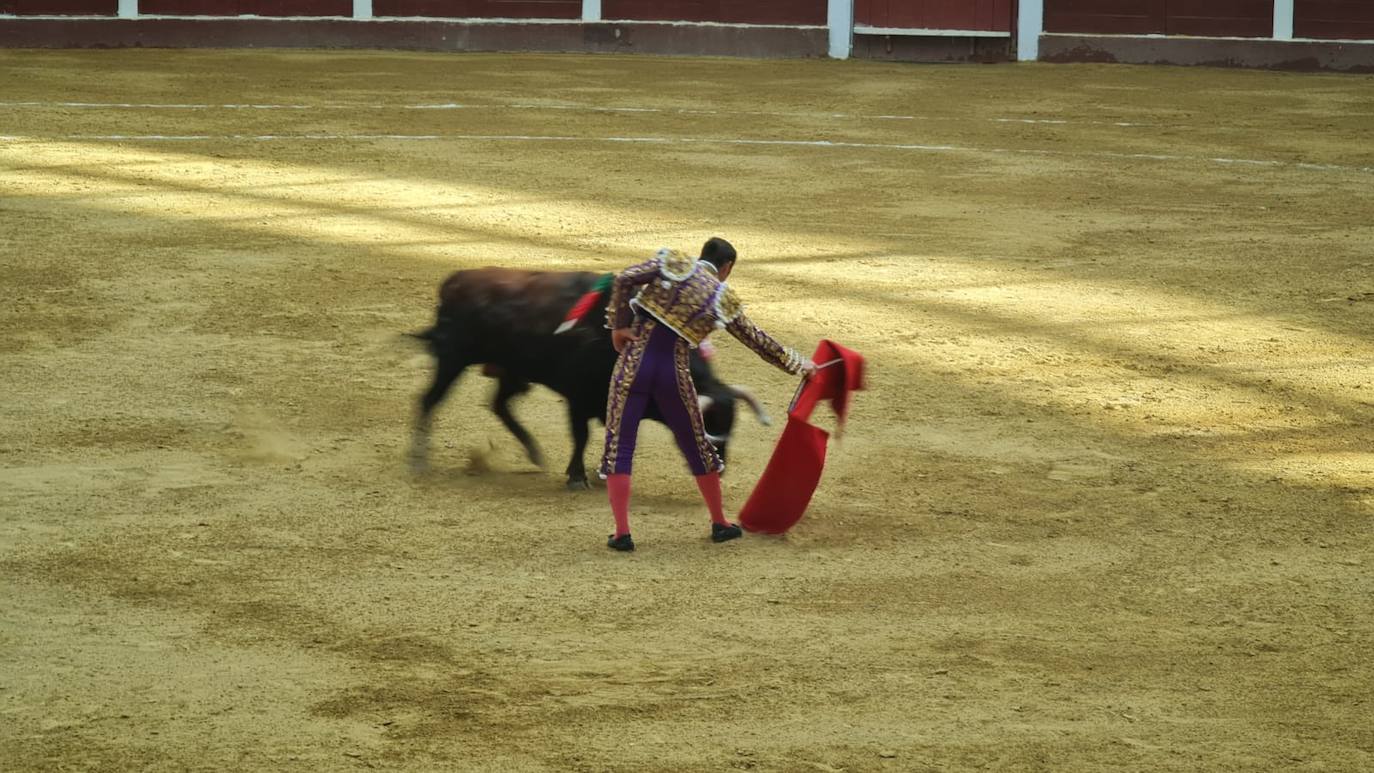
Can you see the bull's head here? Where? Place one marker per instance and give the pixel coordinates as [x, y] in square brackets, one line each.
[718, 414]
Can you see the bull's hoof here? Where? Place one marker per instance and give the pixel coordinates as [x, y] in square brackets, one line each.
[579, 484]
[725, 533]
[622, 543]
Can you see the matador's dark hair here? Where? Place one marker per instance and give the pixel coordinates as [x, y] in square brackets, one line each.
[718, 252]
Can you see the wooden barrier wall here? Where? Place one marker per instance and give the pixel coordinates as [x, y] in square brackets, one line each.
[280, 8]
[789, 12]
[1207, 18]
[1334, 19]
[480, 9]
[811, 12]
[60, 7]
[988, 15]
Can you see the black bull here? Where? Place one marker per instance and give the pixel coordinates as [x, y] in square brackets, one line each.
[504, 320]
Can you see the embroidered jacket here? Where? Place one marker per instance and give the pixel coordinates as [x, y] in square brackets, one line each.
[684, 294]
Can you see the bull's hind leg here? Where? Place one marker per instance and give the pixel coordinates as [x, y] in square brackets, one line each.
[577, 469]
[447, 372]
[507, 388]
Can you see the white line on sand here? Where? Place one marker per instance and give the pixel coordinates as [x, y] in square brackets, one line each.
[692, 141]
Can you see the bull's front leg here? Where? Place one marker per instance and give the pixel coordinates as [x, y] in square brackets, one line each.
[577, 470]
[506, 389]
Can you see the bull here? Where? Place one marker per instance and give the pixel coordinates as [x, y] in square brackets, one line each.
[505, 321]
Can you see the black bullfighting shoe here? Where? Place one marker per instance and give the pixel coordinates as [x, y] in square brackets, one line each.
[623, 542]
[721, 533]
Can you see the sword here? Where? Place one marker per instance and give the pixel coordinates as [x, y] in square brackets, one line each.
[797, 395]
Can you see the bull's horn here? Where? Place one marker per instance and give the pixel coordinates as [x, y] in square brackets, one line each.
[748, 397]
[704, 403]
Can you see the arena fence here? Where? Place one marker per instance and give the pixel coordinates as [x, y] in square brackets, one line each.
[1290, 34]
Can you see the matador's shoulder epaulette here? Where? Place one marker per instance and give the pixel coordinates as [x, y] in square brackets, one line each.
[675, 265]
[728, 306]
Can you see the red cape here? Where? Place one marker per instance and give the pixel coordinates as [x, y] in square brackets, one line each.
[784, 492]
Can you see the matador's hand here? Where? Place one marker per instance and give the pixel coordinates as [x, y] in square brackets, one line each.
[620, 337]
[808, 369]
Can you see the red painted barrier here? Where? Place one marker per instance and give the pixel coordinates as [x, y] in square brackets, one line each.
[1334, 19]
[722, 11]
[279, 8]
[60, 7]
[1206, 18]
[480, 9]
[989, 15]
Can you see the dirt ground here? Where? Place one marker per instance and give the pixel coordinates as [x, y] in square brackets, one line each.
[1106, 506]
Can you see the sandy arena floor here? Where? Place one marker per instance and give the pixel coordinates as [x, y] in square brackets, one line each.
[1107, 505]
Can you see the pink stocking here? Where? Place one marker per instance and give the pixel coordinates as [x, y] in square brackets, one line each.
[710, 491]
[618, 488]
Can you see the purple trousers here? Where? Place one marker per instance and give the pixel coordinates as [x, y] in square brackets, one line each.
[656, 367]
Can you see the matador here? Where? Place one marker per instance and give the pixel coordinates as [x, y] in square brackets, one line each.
[659, 310]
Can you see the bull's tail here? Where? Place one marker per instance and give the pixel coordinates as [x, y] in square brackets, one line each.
[435, 337]
[427, 336]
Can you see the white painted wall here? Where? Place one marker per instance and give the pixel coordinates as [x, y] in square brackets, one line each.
[1030, 22]
[591, 10]
[1283, 19]
[362, 9]
[839, 16]
[128, 9]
